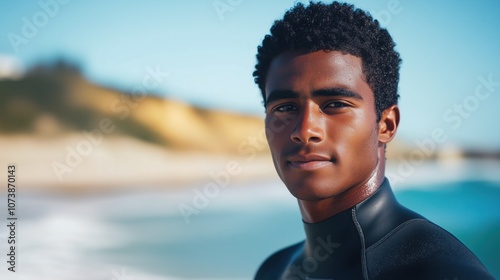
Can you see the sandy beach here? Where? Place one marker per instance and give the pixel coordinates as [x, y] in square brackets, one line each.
[74, 164]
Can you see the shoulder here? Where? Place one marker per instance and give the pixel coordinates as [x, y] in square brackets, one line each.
[274, 266]
[423, 250]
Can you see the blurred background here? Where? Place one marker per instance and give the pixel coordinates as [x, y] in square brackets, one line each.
[137, 134]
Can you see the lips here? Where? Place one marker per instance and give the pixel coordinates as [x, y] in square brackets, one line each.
[309, 161]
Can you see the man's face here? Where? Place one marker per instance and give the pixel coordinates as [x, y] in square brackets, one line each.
[321, 123]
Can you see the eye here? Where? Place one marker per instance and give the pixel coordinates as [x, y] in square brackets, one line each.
[336, 104]
[285, 108]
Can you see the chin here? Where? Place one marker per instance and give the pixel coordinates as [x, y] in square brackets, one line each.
[313, 191]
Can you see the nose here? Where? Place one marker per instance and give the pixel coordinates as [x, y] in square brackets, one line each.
[308, 127]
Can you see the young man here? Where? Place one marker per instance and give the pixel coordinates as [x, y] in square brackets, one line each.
[329, 77]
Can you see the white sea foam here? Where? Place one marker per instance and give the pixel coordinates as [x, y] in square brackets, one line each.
[64, 241]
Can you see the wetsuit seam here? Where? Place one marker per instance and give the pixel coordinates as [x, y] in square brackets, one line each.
[392, 232]
[362, 238]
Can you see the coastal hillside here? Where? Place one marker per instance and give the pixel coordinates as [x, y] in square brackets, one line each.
[52, 101]
[65, 133]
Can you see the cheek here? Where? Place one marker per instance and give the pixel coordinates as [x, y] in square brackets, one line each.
[270, 134]
[367, 147]
[359, 143]
[275, 131]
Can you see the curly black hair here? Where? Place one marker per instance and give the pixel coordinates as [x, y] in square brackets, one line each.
[336, 27]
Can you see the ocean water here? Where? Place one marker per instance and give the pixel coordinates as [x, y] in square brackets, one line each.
[140, 235]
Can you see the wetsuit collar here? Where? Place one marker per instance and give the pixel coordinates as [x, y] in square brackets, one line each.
[365, 211]
[339, 241]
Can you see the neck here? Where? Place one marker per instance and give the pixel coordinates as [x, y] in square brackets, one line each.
[317, 211]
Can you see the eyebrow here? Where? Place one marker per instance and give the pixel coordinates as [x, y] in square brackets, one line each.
[276, 95]
[342, 92]
[327, 92]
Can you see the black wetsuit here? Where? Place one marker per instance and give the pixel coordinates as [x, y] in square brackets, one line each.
[376, 239]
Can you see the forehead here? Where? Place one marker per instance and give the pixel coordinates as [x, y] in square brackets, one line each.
[306, 72]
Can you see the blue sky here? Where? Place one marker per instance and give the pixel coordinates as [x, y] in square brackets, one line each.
[449, 78]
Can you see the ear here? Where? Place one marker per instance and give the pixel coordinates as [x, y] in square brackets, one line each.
[388, 124]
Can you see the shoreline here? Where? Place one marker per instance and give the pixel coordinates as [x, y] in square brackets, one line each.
[118, 163]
